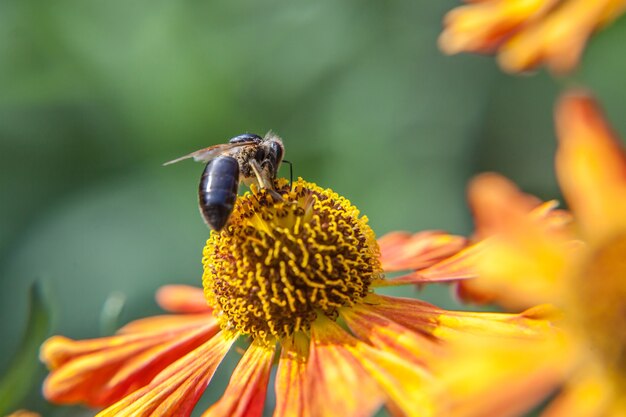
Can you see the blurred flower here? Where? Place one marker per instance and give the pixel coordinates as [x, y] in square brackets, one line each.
[527, 33]
[530, 254]
[295, 278]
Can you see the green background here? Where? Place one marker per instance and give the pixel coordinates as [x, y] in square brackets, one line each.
[96, 95]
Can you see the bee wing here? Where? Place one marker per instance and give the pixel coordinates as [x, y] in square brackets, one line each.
[206, 154]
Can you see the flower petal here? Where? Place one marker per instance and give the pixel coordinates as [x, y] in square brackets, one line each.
[524, 256]
[587, 393]
[559, 39]
[176, 389]
[415, 330]
[182, 299]
[483, 26]
[167, 323]
[508, 376]
[99, 372]
[406, 384]
[402, 251]
[245, 394]
[591, 166]
[447, 325]
[385, 334]
[338, 384]
[291, 395]
[458, 267]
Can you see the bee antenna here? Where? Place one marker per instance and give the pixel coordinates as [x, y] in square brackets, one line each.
[290, 174]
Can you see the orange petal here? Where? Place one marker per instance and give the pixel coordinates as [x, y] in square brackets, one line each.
[587, 393]
[182, 299]
[291, 399]
[559, 38]
[245, 394]
[402, 251]
[175, 391]
[406, 384]
[385, 334]
[524, 258]
[483, 26]
[591, 166]
[508, 376]
[433, 321]
[338, 384]
[460, 266]
[167, 323]
[99, 372]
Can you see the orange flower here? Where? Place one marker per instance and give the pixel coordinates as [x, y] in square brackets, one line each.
[294, 278]
[527, 33]
[531, 255]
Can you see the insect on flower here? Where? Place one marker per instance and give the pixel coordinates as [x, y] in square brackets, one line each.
[246, 158]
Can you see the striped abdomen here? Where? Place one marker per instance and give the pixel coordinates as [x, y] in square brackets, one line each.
[218, 191]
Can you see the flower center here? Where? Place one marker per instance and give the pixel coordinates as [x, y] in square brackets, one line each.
[601, 303]
[279, 264]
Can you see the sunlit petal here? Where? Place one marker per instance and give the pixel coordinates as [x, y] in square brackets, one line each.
[403, 251]
[448, 325]
[560, 38]
[386, 334]
[405, 383]
[334, 372]
[524, 259]
[481, 27]
[175, 391]
[291, 395]
[587, 393]
[245, 394]
[101, 371]
[182, 299]
[486, 376]
[591, 167]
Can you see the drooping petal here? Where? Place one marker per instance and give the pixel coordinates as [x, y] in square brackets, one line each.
[182, 299]
[167, 323]
[245, 394]
[486, 376]
[587, 393]
[559, 39]
[291, 389]
[403, 251]
[458, 267]
[436, 341]
[386, 334]
[176, 389]
[337, 384]
[483, 26]
[591, 167]
[404, 383]
[448, 325]
[524, 257]
[99, 372]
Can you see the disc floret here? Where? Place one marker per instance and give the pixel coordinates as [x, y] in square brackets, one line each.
[278, 265]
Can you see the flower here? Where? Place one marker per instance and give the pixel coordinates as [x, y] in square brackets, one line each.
[576, 262]
[295, 279]
[527, 33]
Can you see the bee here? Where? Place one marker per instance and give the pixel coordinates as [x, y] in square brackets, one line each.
[248, 159]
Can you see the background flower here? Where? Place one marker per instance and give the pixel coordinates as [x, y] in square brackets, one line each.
[532, 256]
[527, 34]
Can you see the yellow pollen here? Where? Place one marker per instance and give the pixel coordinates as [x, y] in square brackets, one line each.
[280, 264]
[600, 298]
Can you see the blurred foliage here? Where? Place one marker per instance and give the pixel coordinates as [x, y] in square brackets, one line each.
[23, 373]
[96, 95]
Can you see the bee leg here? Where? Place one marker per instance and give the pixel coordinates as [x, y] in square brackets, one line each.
[264, 182]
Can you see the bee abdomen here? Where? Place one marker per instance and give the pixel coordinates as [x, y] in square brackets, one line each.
[218, 191]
